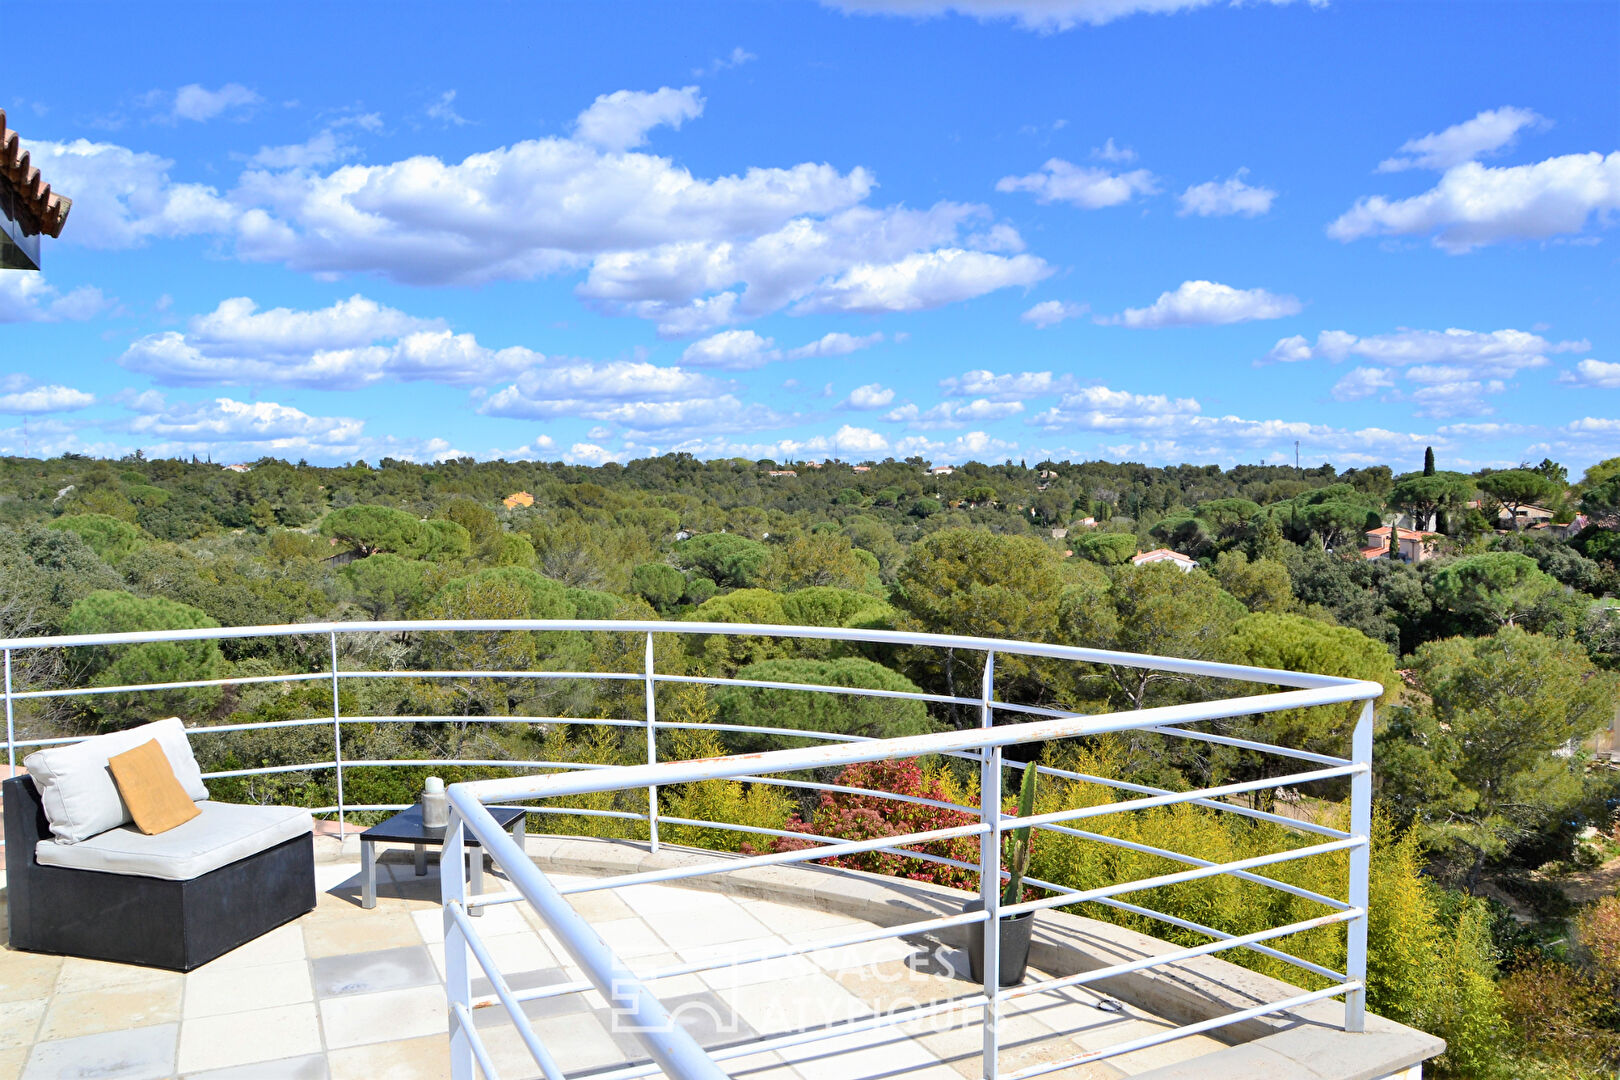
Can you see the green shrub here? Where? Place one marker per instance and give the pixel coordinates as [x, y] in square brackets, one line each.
[808, 710]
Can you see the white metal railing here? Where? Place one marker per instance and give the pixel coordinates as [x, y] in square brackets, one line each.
[670, 1048]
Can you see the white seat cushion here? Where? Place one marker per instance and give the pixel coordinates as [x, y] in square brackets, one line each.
[77, 789]
[220, 835]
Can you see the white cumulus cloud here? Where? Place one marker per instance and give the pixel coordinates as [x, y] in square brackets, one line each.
[1084, 186]
[732, 350]
[1474, 205]
[1042, 16]
[45, 399]
[195, 102]
[1488, 132]
[1496, 353]
[122, 198]
[1598, 373]
[870, 396]
[1361, 383]
[949, 414]
[1206, 303]
[836, 343]
[1224, 198]
[1048, 313]
[25, 296]
[621, 120]
[1014, 386]
[264, 424]
[353, 343]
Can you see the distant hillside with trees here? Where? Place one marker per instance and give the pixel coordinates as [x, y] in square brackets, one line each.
[1485, 603]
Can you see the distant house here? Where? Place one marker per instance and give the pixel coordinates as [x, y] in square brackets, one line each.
[1165, 555]
[782, 472]
[941, 470]
[1086, 523]
[1528, 515]
[1046, 474]
[1059, 534]
[237, 468]
[516, 499]
[1414, 545]
[862, 468]
[813, 464]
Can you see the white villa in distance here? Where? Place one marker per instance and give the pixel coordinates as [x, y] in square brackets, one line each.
[1165, 555]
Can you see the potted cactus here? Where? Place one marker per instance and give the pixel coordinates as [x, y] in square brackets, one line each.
[1015, 930]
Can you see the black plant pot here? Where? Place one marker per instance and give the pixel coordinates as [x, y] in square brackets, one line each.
[1015, 936]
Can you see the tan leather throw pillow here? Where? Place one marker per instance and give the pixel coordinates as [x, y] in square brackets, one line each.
[148, 786]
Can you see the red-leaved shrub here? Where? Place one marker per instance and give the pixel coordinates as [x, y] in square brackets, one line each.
[848, 816]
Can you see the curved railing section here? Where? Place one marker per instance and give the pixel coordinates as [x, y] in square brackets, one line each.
[669, 1047]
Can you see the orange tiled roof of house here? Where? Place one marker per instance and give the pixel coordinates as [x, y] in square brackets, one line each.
[518, 498]
[1406, 534]
[48, 209]
[1374, 552]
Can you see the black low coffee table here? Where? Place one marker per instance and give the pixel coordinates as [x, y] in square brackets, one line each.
[406, 827]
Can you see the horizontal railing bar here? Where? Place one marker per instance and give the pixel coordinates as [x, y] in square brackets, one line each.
[497, 982]
[1173, 798]
[269, 770]
[788, 834]
[1199, 928]
[1177, 665]
[796, 733]
[609, 675]
[349, 763]
[1250, 744]
[813, 785]
[1177, 956]
[1180, 877]
[1192, 860]
[1210, 804]
[922, 745]
[582, 811]
[1180, 1033]
[778, 858]
[855, 691]
[1185, 924]
[191, 684]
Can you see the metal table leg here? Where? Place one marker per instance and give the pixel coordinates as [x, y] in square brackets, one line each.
[421, 860]
[520, 832]
[368, 874]
[475, 874]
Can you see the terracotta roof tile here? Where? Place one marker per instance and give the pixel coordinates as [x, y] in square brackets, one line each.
[50, 209]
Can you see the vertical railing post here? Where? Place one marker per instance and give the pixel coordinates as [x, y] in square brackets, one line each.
[1355, 1002]
[652, 745]
[11, 734]
[337, 735]
[457, 969]
[990, 876]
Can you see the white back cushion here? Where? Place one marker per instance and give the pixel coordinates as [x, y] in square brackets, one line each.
[78, 791]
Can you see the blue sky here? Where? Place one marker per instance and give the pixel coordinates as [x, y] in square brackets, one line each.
[1151, 230]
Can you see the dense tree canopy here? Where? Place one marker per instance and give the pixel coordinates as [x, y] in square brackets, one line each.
[1480, 751]
[1479, 764]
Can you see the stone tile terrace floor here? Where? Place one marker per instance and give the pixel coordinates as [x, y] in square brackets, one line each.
[346, 993]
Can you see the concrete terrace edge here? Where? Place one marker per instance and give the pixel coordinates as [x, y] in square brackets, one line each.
[1307, 1043]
